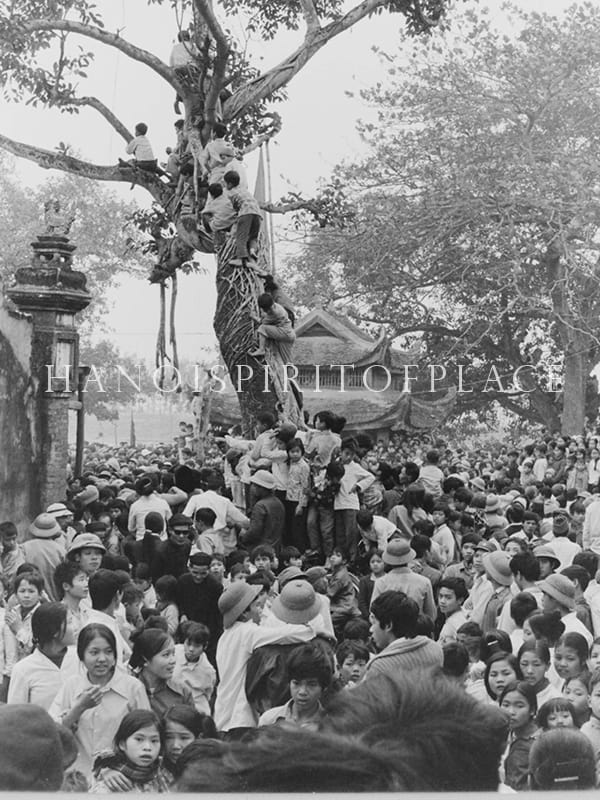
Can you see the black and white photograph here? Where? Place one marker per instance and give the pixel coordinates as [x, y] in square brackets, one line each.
[299, 396]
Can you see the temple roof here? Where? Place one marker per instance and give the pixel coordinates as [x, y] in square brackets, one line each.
[323, 337]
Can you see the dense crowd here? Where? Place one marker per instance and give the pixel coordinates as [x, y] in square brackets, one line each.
[307, 611]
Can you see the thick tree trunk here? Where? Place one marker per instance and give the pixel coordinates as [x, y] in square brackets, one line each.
[577, 369]
[259, 385]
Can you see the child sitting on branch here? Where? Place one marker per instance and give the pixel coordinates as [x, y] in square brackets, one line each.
[274, 327]
[141, 150]
[249, 219]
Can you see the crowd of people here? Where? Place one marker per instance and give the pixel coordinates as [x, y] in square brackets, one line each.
[307, 610]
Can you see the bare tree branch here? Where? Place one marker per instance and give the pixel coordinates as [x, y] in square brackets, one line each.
[47, 159]
[264, 85]
[110, 39]
[108, 115]
[310, 16]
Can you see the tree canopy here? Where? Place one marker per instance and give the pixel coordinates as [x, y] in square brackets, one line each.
[476, 217]
[47, 50]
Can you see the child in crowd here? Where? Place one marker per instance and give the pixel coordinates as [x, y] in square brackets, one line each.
[217, 569]
[248, 220]
[577, 692]
[570, 656]
[133, 600]
[182, 726]
[341, 591]
[518, 703]
[367, 582]
[274, 326]
[310, 674]
[452, 593]
[501, 670]
[18, 638]
[352, 658]
[442, 535]
[556, 713]
[591, 728]
[166, 601]
[207, 539]
[263, 558]
[71, 584]
[136, 754]
[290, 557]
[192, 667]
[593, 662]
[346, 504]
[296, 495]
[534, 663]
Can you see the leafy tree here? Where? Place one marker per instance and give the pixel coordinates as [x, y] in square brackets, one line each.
[114, 380]
[103, 251]
[35, 34]
[476, 224]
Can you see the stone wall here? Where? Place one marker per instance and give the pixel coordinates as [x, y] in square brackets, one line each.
[20, 453]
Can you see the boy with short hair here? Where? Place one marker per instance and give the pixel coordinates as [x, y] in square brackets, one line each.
[352, 658]
[263, 558]
[142, 579]
[192, 667]
[207, 539]
[310, 674]
[341, 591]
[71, 584]
[133, 600]
[249, 219]
[443, 536]
[141, 150]
[452, 593]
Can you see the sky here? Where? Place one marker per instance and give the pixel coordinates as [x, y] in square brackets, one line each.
[319, 130]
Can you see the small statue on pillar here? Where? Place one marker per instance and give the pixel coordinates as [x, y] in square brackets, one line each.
[58, 222]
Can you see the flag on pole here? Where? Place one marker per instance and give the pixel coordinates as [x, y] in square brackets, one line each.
[132, 431]
[260, 193]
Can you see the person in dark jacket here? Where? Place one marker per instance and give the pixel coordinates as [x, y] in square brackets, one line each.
[267, 520]
[171, 557]
[197, 599]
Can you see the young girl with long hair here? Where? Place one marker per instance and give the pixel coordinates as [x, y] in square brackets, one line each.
[136, 755]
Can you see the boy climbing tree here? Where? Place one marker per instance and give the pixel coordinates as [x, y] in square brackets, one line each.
[43, 62]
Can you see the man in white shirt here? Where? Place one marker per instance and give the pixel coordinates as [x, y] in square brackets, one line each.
[564, 548]
[482, 589]
[105, 593]
[376, 531]
[227, 514]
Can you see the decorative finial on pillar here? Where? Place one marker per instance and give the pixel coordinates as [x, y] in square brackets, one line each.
[58, 222]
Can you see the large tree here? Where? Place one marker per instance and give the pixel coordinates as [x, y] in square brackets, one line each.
[40, 64]
[476, 213]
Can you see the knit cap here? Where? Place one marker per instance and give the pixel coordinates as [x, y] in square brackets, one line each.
[35, 750]
[497, 567]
